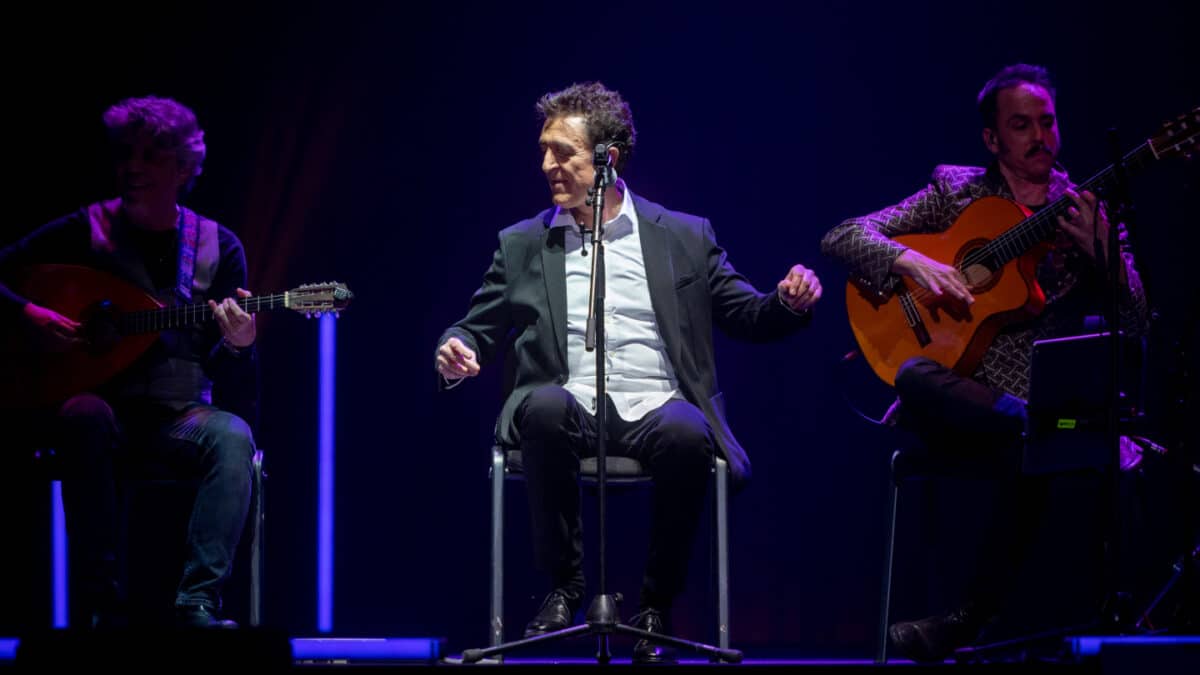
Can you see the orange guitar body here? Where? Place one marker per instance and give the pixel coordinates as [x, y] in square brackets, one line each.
[947, 330]
[32, 379]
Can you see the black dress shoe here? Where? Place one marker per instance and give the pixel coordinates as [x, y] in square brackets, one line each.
[199, 616]
[646, 652]
[109, 620]
[109, 614]
[556, 613]
[109, 607]
[934, 638]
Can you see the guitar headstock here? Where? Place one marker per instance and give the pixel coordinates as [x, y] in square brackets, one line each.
[317, 299]
[1179, 137]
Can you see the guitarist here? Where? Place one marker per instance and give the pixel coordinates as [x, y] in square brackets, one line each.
[985, 413]
[161, 408]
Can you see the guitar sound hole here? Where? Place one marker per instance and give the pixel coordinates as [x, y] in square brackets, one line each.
[978, 267]
[100, 327]
[978, 276]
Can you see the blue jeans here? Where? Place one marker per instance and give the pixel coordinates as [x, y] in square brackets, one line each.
[97, 441]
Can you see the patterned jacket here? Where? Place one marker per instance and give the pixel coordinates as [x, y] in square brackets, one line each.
[1067, 275]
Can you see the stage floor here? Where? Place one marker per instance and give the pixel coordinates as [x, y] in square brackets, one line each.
[256, 650]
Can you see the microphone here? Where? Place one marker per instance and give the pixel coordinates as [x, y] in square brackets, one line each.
[603, 161]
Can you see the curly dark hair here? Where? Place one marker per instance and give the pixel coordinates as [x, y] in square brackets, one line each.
[171, 124]
[605, 113]
[1010, 76]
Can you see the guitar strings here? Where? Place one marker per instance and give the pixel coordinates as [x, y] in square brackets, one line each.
[167, 315]
[1134, 159]
[199, 308]
[921, 294]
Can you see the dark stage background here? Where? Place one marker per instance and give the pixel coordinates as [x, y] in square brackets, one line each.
[385, 146]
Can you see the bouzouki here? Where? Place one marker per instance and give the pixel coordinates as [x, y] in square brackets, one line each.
[119, 323]
[996, 244]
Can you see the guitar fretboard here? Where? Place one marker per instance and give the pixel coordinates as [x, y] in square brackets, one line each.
[154, 320]
[1040, 226]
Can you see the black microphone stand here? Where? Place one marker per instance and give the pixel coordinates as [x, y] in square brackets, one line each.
[1120, 211]
[602, 618]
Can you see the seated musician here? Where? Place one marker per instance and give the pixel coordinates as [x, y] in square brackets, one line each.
[161, 408]
[985, 413]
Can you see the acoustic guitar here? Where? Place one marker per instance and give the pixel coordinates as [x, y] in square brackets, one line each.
[996, 244]
[119, 323]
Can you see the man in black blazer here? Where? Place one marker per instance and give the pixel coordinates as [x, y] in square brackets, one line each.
[667, 283]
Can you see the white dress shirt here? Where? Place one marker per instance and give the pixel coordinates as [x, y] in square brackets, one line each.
[639, 376]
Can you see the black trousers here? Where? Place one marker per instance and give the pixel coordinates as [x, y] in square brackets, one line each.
[961, 420]
[674, 442]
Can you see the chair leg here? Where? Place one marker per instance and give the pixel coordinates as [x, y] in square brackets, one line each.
[885, 600]
[722, 526]
[256, 543]
[496, 623]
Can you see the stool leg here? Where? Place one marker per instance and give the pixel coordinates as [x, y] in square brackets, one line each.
[885, 600]
[496, 623]
[722, 516]
[256, 542]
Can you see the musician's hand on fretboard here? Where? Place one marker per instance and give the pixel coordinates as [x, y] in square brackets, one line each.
[237, 326]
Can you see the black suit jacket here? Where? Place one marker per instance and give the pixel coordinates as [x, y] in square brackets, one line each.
[692, 286]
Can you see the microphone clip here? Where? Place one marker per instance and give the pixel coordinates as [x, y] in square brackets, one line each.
[606, 175]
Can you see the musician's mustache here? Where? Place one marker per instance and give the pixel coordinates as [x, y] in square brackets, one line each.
[1036, 149]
